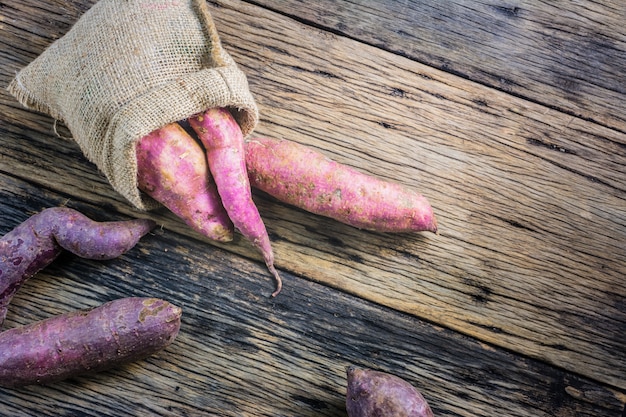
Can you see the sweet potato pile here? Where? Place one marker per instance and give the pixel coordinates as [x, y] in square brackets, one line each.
[206, 180]
[200, 190]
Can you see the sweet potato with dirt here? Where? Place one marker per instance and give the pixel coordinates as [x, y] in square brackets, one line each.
[172, 169]
[223, 140]
[71, 344]
[378, 394]
[300, 176]
[35, 243]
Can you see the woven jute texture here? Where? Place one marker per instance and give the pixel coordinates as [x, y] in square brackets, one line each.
[128, 67]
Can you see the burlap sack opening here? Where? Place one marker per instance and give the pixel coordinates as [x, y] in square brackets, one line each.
[128, 67]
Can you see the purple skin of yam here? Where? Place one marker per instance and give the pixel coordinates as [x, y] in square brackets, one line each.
[378, 394]
[71, 344]
[300, 176]
[223, 140]
[36, 242]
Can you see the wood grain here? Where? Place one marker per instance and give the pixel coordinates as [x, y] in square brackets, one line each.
[517, 307]
[565, 55]
[240, 353]
[523, 224]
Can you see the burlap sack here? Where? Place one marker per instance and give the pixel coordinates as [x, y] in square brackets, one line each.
[128, 67]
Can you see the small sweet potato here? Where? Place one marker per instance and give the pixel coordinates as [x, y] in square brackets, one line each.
[223, 140]
[71, 344]
[36, 242]
[303, 177]
[172, 169]
[378, 394]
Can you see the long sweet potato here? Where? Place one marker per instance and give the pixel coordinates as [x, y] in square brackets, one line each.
[303, 177]
[378, 394]
[223, 140]
[172, 169]
[36, 242]
[117, 332]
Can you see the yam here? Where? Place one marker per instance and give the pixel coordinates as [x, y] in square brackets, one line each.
[75, 343]
[300, 176]
[223, 140]
[35, 243]
[379, 394]
[172, 169]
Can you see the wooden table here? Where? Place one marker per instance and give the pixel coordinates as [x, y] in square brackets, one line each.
[508, 116]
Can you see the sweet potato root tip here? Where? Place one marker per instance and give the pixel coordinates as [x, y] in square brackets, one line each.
[36, 242]
[277, 279]
[300, 176]
[72, 344]
[223, 140]
[378, 394]
[172, 169]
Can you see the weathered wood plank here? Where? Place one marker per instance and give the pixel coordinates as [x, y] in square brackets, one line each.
[524, 225]
[530, 254]
[566, 55]
[240, 353]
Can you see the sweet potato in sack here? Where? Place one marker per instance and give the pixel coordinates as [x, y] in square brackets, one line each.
[300, 176]
[378, 394]
[172, 169]
[37, 241]
[223, 140]
[71, 344]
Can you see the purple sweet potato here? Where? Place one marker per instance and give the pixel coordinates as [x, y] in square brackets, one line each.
[36, 242]
[172, 169]
[379, 394]
[223, 140]
[303, 177]
[71, 344]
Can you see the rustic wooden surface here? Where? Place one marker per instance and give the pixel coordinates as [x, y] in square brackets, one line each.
[509, 118]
